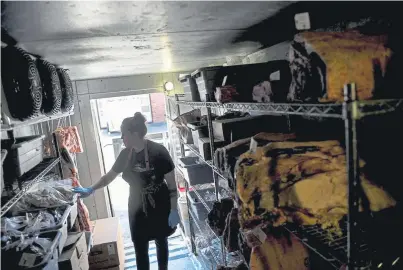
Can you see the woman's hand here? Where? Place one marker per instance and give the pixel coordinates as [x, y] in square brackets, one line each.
[173, 219]
[84, 192]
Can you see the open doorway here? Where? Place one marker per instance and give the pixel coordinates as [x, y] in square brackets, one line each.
[110, 113]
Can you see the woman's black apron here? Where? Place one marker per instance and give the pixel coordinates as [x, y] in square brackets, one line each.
[149, 201]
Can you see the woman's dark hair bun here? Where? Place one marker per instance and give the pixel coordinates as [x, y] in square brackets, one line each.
[139, 118]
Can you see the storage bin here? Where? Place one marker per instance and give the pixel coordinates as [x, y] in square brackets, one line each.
[244, 78]
[231, 130]
[204, 147]
[198, 131]
[195, 172]
[189, 88]
[61, 226]
[24, 154]
[26, 259]
[197, 206]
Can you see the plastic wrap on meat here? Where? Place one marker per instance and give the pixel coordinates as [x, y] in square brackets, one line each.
[182, 121]
[322, 63]
[36, 245]
[225, 94]
[39, 200]
[29, 223]
[45, 196]
[262, 92]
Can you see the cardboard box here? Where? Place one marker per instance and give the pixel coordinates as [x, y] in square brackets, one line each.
[107, 250]
[74, 255]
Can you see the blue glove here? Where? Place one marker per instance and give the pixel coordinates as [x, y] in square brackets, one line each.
[173, 219]
[84, 192]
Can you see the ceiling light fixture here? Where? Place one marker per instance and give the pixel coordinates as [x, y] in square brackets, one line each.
[169, 86]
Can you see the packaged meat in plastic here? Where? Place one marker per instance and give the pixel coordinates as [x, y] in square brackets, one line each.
[28, 224]
[182, 121]
[47, 197]
[226, 94]
[64, 187]
[262, 92]
[38, 245]
[13, 226]
[43, 197]
[39, 221]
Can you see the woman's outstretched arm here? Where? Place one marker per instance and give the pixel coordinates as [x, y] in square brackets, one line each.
[105, 180]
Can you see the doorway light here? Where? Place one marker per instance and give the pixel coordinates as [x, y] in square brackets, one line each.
[169, 86]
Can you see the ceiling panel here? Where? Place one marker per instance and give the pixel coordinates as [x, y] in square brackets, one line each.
[97, 39]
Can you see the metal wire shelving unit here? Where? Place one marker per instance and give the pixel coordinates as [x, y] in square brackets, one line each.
[349, 249]
[331, 110]
[34, 121]
[39, 173]
[29, 180]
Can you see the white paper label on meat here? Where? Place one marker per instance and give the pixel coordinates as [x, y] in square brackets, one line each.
[111, 249]
[224, 81]
[302, 21]
[27, 260]
[275, 76]
[260, 234]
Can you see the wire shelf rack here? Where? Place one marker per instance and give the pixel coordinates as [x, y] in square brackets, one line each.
[29, 179]
[319, 241]
[330, 247]
[329, 110]
[198, 188]
[338, 251]
[208, 162]
[378, 107]
[34, 121]
[202, 229]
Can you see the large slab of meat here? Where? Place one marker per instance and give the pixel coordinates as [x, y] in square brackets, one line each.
[305, 181]
[227, 156]
[323, 62]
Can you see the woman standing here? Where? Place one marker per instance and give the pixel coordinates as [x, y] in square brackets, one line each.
[153, 213]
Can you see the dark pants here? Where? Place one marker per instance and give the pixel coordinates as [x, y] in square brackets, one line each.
[141, 248]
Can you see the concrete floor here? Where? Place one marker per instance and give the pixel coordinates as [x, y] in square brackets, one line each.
[179, 255]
